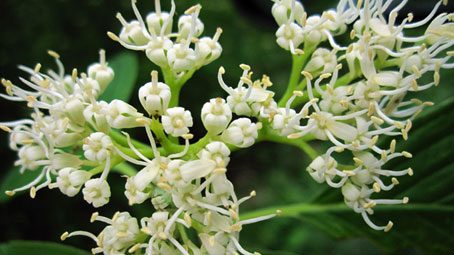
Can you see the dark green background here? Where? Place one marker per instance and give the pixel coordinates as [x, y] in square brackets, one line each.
[77, 29]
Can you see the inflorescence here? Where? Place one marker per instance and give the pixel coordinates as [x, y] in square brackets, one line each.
[353, 96]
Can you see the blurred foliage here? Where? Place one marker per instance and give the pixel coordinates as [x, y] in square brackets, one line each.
[76, 29]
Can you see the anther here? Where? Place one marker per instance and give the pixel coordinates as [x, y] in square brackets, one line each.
[245, 67]
[94, 216]
[113, 36]
[53, 54]
[388, 226]
[407, 154]
[33, 192]
[64, 236]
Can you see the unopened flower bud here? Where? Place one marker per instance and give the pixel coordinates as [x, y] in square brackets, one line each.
[155, 96]
[216, 115]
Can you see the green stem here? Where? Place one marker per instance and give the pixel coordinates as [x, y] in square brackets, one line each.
[175, 84]
[123, 141]
[267, 134]
[305, 208]
[114, 161]
[298, 62]
[125, 169]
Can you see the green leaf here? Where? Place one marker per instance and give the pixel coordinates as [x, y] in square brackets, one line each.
[425, 225]
[14, 179]
[38, 248]
[126, 68]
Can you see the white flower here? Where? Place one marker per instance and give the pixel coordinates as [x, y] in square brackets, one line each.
[70, 180]
[157, 49]
[322, 60]
[216, 115]
[181, 57]
[323, 168]
[96, 115]
[172, 173]
[97, 147]
[217, 244]
[185, 25]
[101, 72]
[159, 22]
[290, 36]
[29, 155]
[282, 9]
[216, 151]
[87, 88]
[176, 121]
[154, 96]
[241, 132]
[132, 32]
[208, 49]
[62, 160]
[73, 107]
[96, 192]
[285, 121]
[196, 169]
[137, 188]
[439, 30]
[335, 100]
[61, 131]
[122, 115]
[18, 137]
[120, 234]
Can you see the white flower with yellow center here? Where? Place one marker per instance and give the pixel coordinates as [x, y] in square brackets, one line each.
[176, 121]
[241, 132]
[97, 147]
[96, 192]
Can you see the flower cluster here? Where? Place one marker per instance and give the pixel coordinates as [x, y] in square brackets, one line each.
[74, 140]
[375, 98]
[165, 48]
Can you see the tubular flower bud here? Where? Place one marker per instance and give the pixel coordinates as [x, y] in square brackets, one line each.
[216, 115]
[155, 96]
[101, 72]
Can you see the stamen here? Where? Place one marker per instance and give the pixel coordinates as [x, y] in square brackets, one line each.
[178, 245]
[27, 186]
[221, 82]
[134, 149]
[172, 220]
[152, 142]
[373, 226]
[237, 244]
[167, 21]
[186, 138]
[65, 235]
[106, 170]
[122, 20]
